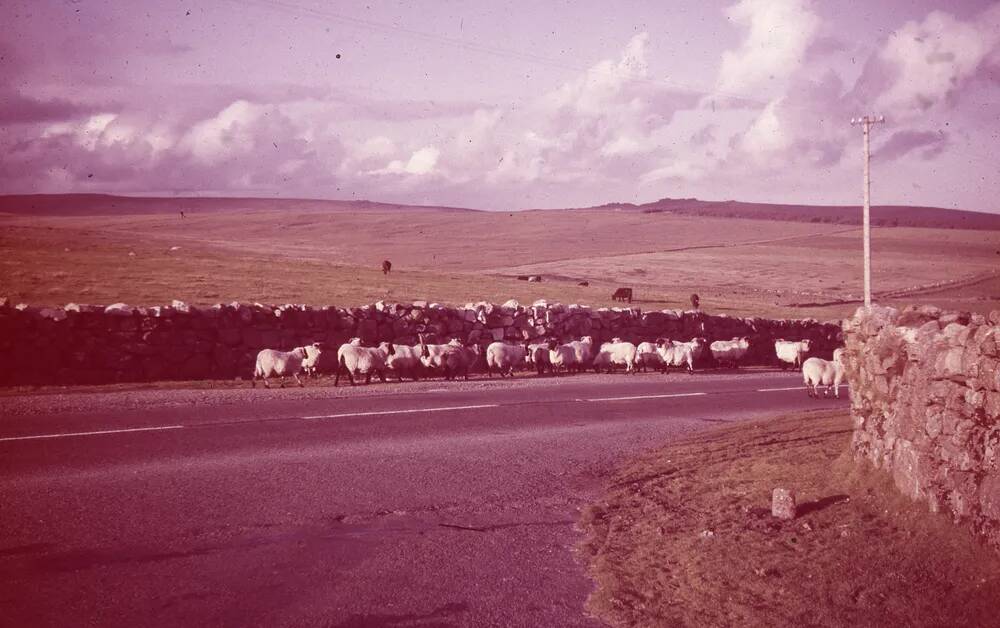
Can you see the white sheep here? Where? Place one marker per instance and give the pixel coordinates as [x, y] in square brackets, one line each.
[583, 352]
[818, 372]
[616, 353]
[461, 359]
[538, 356]
[838, 355]
[562, 357]
[730, 352]
[310, 365]
[356, 360]
[791, 352]
[451, 358]
[683, 354]
[504, 357]
[404, 359]
[280, 364]
[647, 356]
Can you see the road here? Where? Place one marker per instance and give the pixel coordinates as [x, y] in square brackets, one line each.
[427, 504]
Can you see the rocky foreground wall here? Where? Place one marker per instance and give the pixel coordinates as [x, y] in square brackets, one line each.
[81, 344]
[925, 396]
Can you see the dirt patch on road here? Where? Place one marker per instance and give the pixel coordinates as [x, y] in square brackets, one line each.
[684, 537]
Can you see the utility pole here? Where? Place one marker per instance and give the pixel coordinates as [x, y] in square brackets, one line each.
[866, 123]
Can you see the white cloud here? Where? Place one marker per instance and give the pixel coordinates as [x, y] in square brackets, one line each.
[421, 162]
[778, 34]
[932, 59]
[229, 132]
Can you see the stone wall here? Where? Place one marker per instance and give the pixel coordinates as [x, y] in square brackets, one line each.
[81, 344]
[925, 395]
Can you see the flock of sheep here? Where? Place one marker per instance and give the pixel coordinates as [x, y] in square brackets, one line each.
[453, 359]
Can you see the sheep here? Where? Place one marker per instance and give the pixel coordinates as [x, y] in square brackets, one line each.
[314, 353]
[817, 372]
[562, 357]
[451, 358]
[673, 353]
[583, 351]
[278, 363]
[404, 359]
[504, 357]
[685, 354]
[616, 353]
[461, 359]
[647, 356]
[791, 352]
[730, 352]
[538, 356]
[435, 356]
[354, 360]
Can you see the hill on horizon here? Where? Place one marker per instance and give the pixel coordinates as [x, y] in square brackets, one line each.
[882, 215]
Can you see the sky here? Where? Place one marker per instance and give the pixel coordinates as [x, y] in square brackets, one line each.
[503, 105]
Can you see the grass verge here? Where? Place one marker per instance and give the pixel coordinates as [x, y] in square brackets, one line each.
[684, 537]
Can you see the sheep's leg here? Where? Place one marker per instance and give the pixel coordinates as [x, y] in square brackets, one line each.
[381, 376]
[368, 378]
[296, 376]
[350, 376]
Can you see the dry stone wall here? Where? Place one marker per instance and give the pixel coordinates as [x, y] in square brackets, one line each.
[83, 344]
[925, 396]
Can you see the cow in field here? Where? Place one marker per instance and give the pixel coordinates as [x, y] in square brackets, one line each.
[622, 294]
[386, 266]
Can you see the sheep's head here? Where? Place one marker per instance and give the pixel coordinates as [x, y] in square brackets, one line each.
[660, 342]
[425, 352]
[587, 339]
[552, 345]
[806, 344]
[299, 352]
[388, 348]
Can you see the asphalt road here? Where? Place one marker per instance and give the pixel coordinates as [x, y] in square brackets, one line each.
[429, 505]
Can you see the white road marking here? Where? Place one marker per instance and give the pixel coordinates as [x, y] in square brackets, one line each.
[777, 389]
[409, 411]
[97, 433]
[693, 394]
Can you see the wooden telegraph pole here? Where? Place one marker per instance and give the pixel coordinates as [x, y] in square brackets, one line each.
[866, 123]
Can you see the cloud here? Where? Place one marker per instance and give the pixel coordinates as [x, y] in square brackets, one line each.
[903, 142]
[421, 162]
[601, 125]
[778, 34]
[929, 63]
[16, 108]
[704, 136]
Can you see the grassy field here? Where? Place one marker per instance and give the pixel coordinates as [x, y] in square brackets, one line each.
[684, 537]
[746, 267]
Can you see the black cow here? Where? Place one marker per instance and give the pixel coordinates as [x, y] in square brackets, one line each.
[386, 266]
[622, 294]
